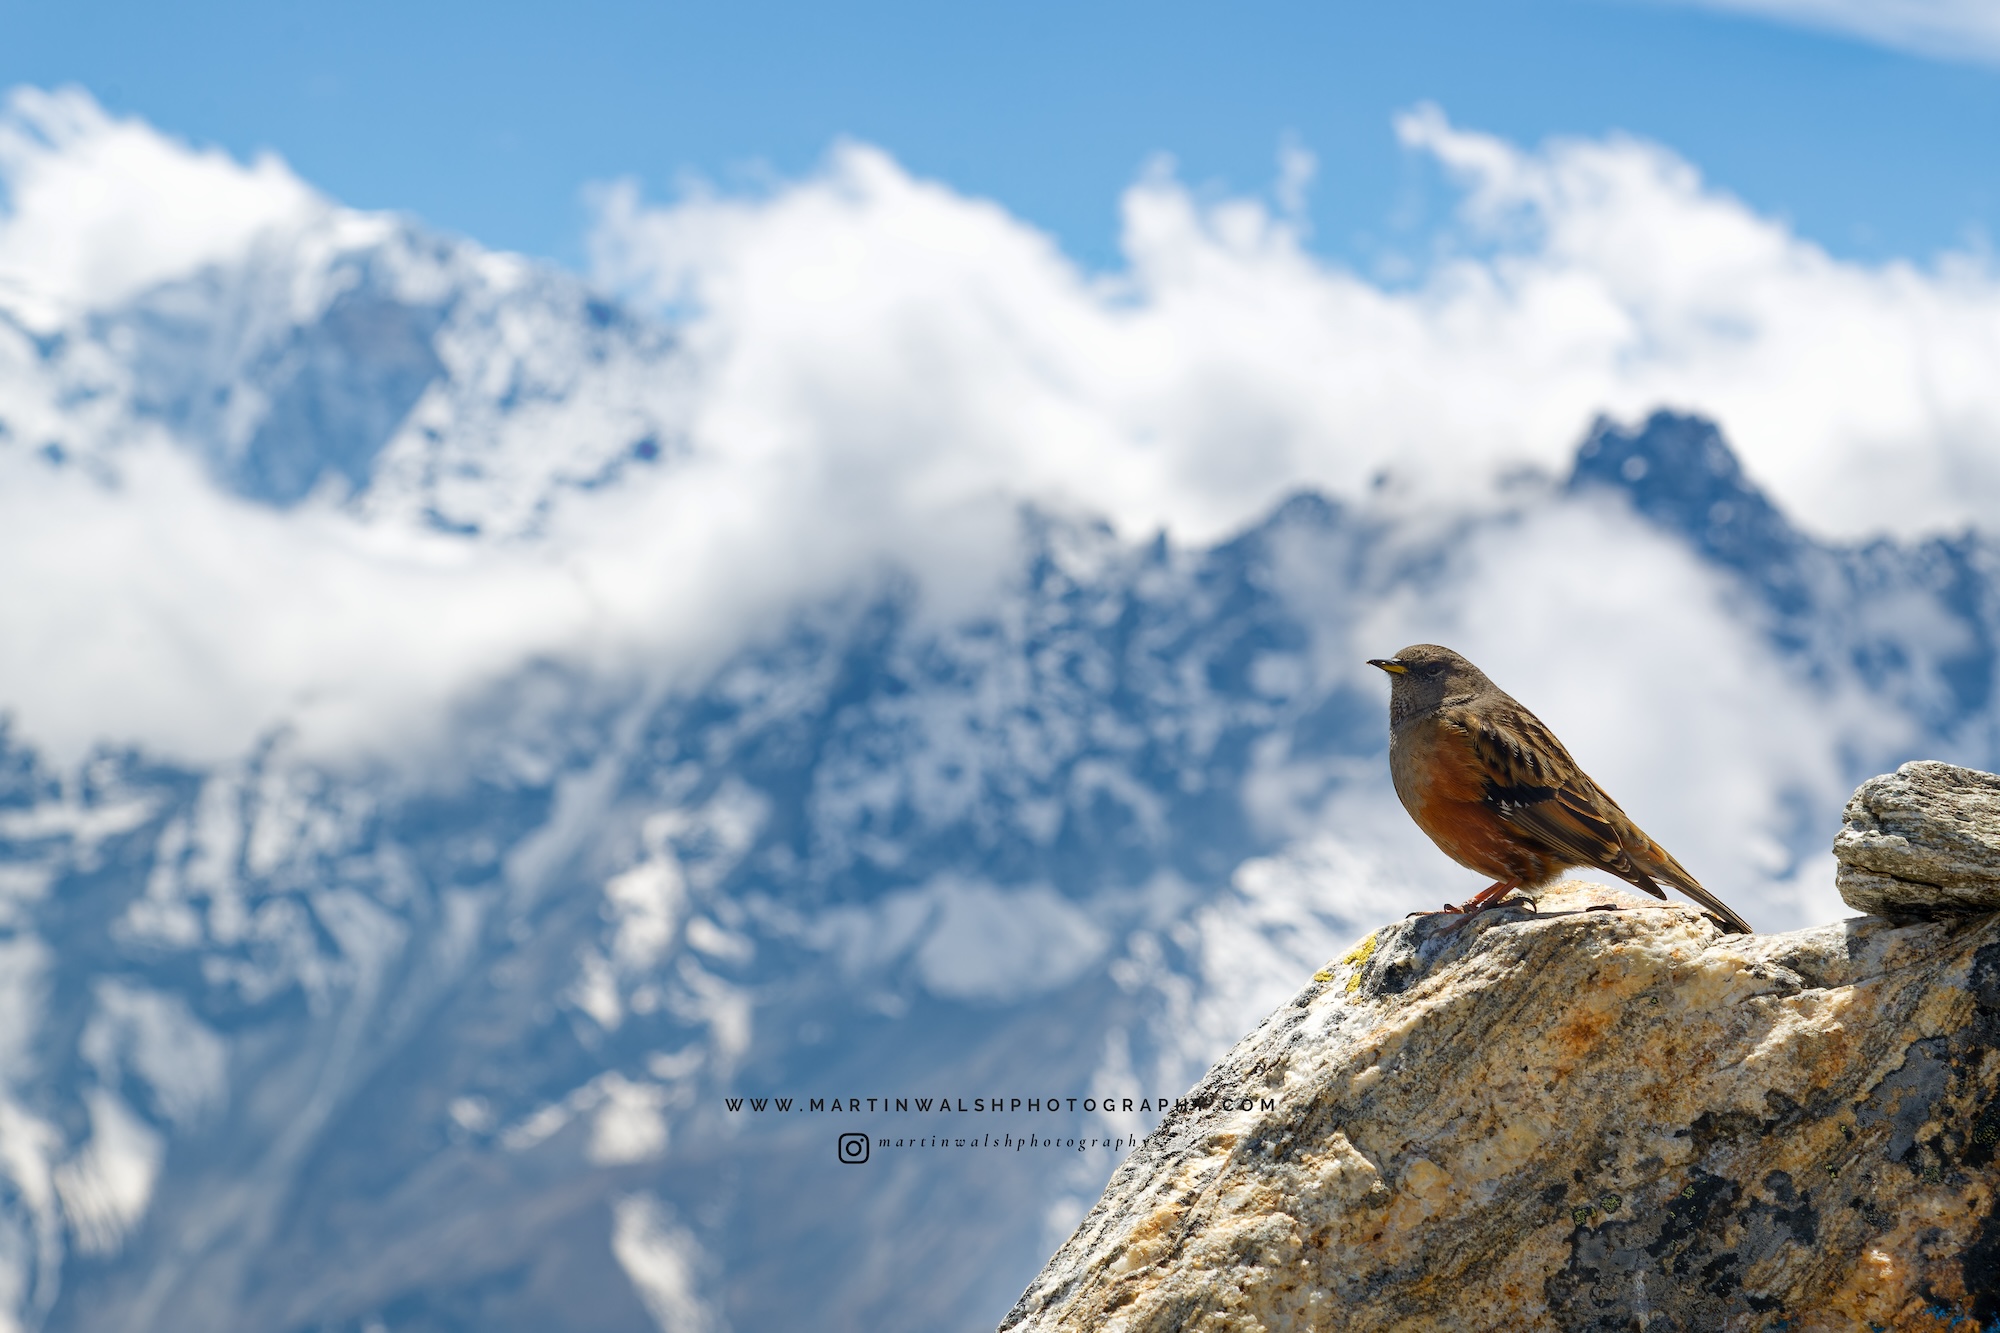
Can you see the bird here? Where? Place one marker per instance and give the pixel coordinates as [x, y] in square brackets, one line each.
[1496, 791]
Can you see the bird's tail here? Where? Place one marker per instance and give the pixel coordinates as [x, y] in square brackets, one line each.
[1663, 865]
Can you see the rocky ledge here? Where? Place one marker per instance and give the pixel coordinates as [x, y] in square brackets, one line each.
[1583, 1119]
[1922, 842]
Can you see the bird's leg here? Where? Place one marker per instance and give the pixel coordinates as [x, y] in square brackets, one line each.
[1478, 902]
[1488, 896]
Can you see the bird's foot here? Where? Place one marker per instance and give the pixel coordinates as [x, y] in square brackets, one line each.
[1447, 909]
[1484, 901]
[1490, 896]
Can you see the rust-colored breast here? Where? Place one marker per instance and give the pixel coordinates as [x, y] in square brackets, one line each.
[1442, 783]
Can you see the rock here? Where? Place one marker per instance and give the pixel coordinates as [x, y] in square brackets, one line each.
[1922, 842]
[1576, 1120]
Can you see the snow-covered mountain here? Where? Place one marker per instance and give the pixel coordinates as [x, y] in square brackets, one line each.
[297, 1048]
[360, 358]
[467, 1028]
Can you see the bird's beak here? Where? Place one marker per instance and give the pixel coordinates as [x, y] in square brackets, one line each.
[1388, 664]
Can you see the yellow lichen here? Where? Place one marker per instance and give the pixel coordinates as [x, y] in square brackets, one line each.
[1359, 956]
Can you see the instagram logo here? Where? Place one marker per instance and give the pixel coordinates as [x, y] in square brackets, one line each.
[853, 1148]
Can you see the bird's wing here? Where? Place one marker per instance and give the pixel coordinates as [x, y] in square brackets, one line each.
[1540, 794]
[1538, 791]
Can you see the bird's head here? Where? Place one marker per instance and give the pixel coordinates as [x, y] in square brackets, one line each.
[1424, 676]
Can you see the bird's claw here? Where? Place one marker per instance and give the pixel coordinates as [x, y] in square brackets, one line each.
[1446, 909]
[1470, 912]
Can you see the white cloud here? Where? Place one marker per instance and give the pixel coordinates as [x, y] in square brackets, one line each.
[98, 208]
[1947, 29]
[909, 347]
[165, 611]
[876, 370]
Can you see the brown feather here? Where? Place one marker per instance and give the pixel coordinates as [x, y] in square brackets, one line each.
[1498, 793]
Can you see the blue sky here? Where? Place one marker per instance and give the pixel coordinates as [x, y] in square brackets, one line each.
[491, 119]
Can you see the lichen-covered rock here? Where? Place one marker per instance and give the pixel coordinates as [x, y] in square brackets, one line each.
[1577, 1120]
[1921, 842]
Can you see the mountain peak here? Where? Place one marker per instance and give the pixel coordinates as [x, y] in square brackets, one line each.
[1680, 472]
